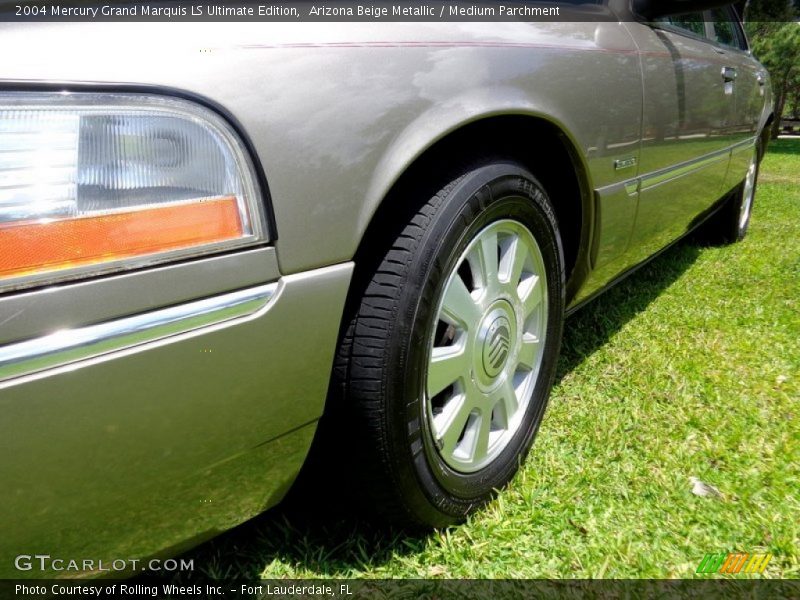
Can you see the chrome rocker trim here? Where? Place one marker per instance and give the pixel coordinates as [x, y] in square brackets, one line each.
[72, 345]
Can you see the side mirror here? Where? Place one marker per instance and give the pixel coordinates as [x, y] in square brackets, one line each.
[654, 9]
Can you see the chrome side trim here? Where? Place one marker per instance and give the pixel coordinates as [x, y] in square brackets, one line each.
[645, 182]
[665, 175]
[72, 345]
[744, 145]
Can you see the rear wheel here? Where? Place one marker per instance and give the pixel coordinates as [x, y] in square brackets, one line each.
[746, 197]
[731, 222]
[448, 362]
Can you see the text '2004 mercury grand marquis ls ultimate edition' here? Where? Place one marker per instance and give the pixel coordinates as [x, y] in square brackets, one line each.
[238, 238]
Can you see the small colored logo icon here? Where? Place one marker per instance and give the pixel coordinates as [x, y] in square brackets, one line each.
[734, 562]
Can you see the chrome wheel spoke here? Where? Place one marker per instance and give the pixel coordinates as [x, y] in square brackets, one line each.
[531, 295]
[506, 404]
[482, 426]
[484, 256]
[447, 365]
[529, 352]
[514, 261]
[452, 422]
[458, 306]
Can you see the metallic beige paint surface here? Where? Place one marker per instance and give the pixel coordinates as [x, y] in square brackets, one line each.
[336, 123]
[134, 454]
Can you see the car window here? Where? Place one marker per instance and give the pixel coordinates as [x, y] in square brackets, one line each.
[725, 29]
[691, 22]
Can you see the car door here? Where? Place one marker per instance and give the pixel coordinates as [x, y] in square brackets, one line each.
[687, 129]
[727, 35]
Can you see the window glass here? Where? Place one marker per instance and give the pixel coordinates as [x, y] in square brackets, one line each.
[691, 22]
[724, 28]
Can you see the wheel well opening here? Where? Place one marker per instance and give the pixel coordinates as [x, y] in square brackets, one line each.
[536, 144]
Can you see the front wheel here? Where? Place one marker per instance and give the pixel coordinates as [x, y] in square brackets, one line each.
[452, 352]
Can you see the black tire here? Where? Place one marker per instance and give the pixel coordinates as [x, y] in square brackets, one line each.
[727, 225]
[380, 361]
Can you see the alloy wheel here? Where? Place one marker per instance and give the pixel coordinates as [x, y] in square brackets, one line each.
[486, 348]
[748, 193]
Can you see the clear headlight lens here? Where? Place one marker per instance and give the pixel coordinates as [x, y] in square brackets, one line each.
[100, 182]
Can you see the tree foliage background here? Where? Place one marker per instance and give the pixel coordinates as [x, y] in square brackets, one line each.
[774, 34]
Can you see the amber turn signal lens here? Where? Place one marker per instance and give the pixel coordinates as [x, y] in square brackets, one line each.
[51, 245]
[98, 183]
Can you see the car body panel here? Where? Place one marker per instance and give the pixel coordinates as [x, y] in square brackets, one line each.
[336, 114]
[697, 141]
[689, 127]
[132, 453]
[108, 444]
[40, 312]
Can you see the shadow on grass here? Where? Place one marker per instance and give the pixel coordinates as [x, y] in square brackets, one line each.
[322, 538]
[789, 146]
[593, 325]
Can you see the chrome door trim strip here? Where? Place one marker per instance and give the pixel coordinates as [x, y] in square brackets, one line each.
[72, 345]
[744, 145]
[670, 173]
[644, 182]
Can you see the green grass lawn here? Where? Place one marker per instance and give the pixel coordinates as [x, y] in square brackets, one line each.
[690, 368]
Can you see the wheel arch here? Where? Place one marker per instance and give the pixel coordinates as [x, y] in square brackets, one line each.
[412, 170]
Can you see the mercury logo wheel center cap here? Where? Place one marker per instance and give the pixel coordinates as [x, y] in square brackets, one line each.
[496, 346]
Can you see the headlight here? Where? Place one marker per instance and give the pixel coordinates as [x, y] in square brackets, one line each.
[102, 182]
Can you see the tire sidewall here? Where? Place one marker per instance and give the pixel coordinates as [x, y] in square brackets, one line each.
[487, 194]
